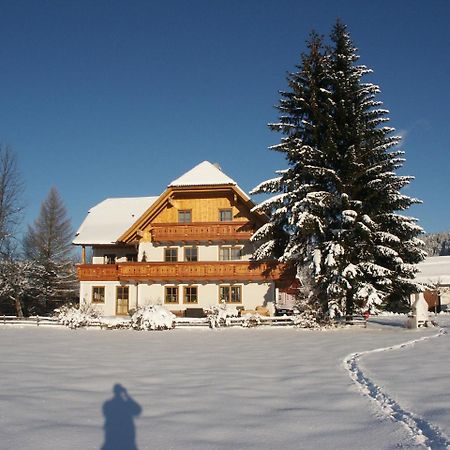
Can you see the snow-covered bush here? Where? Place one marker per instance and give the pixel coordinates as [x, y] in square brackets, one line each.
[334, 310]
[76, 317]
[220, 315]
[308, 314]
[306, 319]
[251, 320]
[153, 317]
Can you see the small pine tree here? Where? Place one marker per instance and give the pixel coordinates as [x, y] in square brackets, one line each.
[48, 243]
[336, 204]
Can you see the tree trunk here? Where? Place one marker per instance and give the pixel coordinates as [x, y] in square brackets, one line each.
[349, 303]
[18, 304]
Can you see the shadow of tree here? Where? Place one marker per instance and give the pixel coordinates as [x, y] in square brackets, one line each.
[119, 412]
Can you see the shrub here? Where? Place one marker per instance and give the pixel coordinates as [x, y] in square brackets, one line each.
[251, 320]
[152, 317]
[76, 317]
[220, 315]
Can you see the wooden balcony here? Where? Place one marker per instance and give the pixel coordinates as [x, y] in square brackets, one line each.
[210, 231]
[181, 271]
[97, 272]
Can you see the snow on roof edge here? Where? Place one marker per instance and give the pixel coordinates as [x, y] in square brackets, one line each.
[203, 174]
[106, 221]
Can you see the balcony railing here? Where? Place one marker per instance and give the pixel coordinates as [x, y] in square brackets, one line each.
[181, 271]
[97, 272]
[212, 231]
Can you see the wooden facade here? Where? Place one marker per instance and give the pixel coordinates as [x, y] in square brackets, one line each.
[201, 232]
[205, 204]
[198, 271]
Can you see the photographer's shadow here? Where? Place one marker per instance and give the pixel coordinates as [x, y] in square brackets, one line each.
[119, 412]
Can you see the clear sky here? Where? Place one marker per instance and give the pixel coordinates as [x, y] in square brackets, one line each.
[118, 98]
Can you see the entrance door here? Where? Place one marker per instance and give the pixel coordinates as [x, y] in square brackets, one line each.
[122, 300]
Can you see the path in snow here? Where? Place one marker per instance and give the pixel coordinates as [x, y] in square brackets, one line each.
[423, 432]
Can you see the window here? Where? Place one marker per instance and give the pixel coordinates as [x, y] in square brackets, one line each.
[230, 294]
[230, 253]
[98, 294]
[122, 300]
[109, 258]
[190, 254]
[225, 215]
[184, 216]
[190, 294]
[170, 254]
[171, 294]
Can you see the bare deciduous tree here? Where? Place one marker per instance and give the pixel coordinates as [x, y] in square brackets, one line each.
[11, 207]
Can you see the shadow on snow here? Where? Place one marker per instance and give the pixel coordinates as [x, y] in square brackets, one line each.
[119, 412]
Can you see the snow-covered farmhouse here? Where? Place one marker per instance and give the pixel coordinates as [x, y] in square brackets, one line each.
[434, 272]
[187, 249]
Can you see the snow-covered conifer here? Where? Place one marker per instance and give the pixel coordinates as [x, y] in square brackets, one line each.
[48, 243]
[295, 209]
[340, 197]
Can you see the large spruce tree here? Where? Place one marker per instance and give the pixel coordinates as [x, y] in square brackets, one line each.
[336, 207]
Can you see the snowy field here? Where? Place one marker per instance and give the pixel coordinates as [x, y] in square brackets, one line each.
[225, 389]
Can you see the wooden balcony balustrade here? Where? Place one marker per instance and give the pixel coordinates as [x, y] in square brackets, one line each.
[180, 271]
[211, 231]
[97, 272]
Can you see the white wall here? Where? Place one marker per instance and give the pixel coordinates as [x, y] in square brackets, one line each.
[109, 307]
[204, 252]
[152, 253]
[253, 294]
[156, 253]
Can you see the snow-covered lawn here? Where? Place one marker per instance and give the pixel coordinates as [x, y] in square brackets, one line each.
[200, 389]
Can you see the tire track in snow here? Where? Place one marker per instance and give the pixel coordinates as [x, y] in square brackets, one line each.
[423, 432]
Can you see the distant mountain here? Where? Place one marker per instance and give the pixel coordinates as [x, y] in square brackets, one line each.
[437, 244]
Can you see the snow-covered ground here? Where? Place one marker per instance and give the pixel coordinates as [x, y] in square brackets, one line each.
[279, 388]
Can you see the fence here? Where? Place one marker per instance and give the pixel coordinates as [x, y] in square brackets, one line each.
[237, 321]
[180, 322]
[32, 320]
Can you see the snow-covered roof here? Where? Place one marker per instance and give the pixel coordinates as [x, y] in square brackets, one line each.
[106, 221]
[435, 269]
[204, 173]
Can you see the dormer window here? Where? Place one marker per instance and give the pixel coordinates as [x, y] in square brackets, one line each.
[185, 216]
[225, 215]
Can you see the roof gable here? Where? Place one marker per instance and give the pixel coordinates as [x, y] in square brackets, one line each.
[203, 174]
[119, 219]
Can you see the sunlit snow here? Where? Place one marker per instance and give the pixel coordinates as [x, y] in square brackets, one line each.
[222, 389]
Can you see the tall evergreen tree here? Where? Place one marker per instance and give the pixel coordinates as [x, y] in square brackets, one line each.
[340, 196]
[48, 243]
[304, 115]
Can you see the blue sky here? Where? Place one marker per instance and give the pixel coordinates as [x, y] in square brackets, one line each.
[117, 98]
